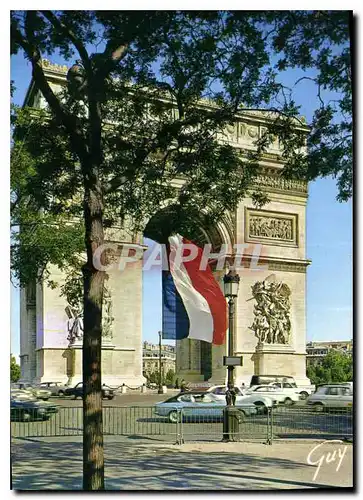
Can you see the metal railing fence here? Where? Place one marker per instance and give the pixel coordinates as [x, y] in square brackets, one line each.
[308, 422]
[181, 425]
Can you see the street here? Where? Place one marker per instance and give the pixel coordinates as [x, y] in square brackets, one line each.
[134, 415]
[131, 398]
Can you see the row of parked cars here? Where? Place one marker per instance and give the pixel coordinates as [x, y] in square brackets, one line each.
[30, 402]
[45, 390]
[254, 400]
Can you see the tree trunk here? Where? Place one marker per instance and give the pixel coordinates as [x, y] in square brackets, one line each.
[93, 458]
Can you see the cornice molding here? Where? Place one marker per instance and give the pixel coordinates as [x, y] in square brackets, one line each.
[279, 264]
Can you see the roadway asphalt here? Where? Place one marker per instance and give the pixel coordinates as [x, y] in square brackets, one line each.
[129, 399]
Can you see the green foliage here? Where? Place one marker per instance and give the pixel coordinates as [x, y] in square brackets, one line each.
[148, 82]
[170, 377]
[15, 372]
[153, 377]
[154, 128]
[336, 367]
[166, 379]
[319, 41]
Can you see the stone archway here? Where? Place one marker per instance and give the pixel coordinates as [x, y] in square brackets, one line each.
[194, 359]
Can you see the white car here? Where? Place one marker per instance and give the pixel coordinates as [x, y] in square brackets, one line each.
[331, 396]
[35, 390]
[22, 395]
[278, 394]
[219, 392]
[292, 388]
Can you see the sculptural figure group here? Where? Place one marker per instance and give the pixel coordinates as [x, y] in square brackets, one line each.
[271, 323]
[271, 227]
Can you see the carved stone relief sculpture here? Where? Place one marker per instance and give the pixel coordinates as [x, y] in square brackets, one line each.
[271, 227]
[75, 320]
[74, 325]
[271, 324]
[107, 318]
[278, 182]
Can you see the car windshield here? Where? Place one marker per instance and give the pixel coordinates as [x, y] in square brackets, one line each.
[174, 399]
[186, 398]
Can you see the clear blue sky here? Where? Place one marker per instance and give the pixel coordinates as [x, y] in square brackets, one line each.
[329, 246]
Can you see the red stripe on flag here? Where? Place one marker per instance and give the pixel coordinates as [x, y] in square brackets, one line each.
[205, 283]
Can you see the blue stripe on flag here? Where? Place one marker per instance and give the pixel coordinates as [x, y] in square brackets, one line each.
[175, 318]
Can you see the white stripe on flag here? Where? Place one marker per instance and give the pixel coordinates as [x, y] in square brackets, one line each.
[196, 306]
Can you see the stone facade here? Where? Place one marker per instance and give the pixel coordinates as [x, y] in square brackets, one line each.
[280, 230]
[150, 358]
[284, 257]
[316, 351]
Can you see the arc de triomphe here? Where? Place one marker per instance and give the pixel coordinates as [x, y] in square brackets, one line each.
[271, 306]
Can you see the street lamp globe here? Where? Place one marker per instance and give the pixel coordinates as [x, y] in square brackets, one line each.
[231, 284]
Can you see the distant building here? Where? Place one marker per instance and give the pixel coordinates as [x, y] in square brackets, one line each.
[316, 351]
[150, 358]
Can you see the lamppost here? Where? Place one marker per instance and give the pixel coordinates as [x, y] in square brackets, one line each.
[231, 285]
[160, 389]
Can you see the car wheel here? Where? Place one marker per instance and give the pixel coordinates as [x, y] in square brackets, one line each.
[288, 402]
[45, 399]
[261, 407]
[319, 407]
[60, 393]
[303, 395]
[173, 417]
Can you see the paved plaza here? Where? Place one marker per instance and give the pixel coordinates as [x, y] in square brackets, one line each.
[131, 464]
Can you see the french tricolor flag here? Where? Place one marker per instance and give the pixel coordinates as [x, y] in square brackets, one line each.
[193, 303]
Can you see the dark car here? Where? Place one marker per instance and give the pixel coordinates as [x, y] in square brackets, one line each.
[77, 391]
[26, 411]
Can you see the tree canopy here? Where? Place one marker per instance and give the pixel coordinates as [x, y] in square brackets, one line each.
[15, 372]
[335, 367]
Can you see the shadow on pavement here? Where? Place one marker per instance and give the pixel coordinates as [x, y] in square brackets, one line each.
[39, 465]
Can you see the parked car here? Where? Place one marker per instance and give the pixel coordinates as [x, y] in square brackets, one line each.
[219, 391]
[37, 391]
[77, 391]
[282, 381]
[56, 388]
[346, 384]
[331, 396]
[287, 387]
[30, 410]
[276, 393]
[198, 404]
[271, 379]
[22, 395]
